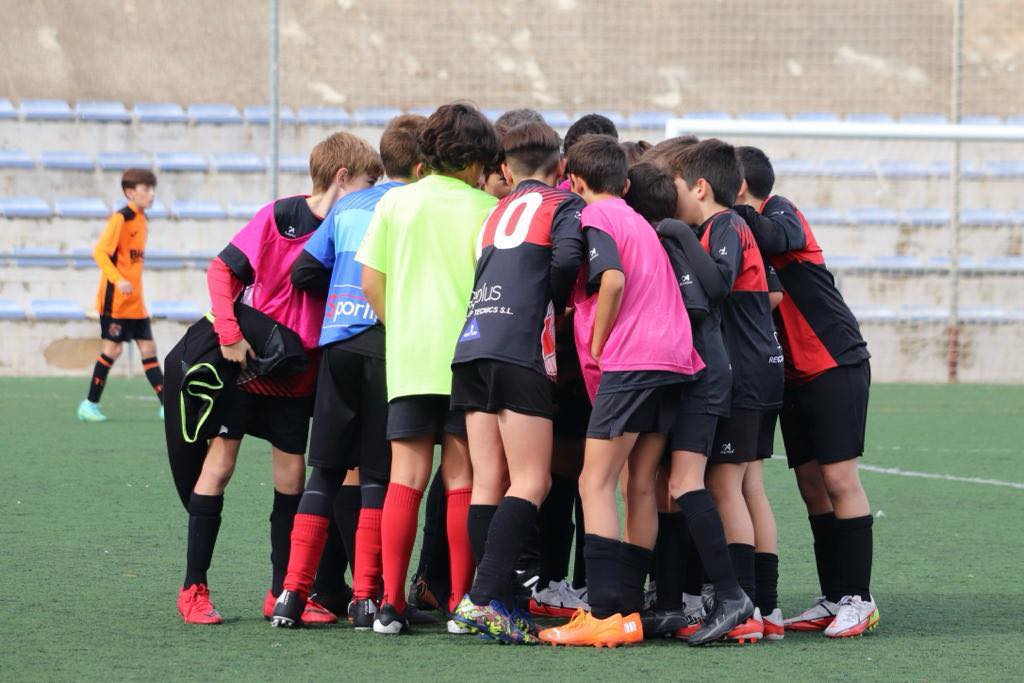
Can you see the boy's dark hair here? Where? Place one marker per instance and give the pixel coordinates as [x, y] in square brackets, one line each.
[635, 150]
[600, 162]
[666, 153]
[530, 148]
[399, 147]
[133, 177]
[757, 171]
[456, 136]
[652, 192]
[591, 124]
[716, 162]
[516, 117]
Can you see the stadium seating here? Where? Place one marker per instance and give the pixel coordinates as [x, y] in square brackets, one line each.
[159, 112]
[16, 158]
[69, 160]
[55, 309]
[24, 207]
[374, 116]
[104, 111]
[84, 207]
[11, 310]
[213, 113]
[119, 161]
[7, 110]
[260, 115]
[46, 110]
[324, 116]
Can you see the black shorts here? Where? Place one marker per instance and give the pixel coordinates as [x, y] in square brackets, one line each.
[572, 410]
[281, 420]
[737, 436]
[125, 329]
[488, 386]
[350, 414]
[651, 409]
[825, 418]
[425, 414]
[694, 432]
[766, 437]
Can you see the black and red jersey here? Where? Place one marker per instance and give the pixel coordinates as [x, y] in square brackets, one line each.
[817, 329]
[530, 252]
[754, 350]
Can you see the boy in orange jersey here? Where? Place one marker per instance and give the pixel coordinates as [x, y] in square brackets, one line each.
[120, 253]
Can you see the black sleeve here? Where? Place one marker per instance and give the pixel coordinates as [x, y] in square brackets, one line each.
[778, 229]
[725, 249]
[716, 283]
[602, 255]
[566, 250]
[695, 298]
[309, 274]
[774, 284]
[238, 263]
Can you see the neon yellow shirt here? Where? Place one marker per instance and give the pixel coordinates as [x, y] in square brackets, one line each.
[423, 238]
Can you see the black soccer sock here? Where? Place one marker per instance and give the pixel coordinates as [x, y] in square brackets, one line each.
[693, 568]
[510, 526]
[528, 564]
[766, 581]
[709, 536]
[479, 524]
[743, 564]
[99, 377]
[281, 519]
[555, 524]
[155, 375]
[434, 561]
[635, 563]
[321, 491]
[330, 572]
[668, 566]
[372, 490]
[347, 504]
[854, 543]
[604, 575]
[203, 525]
[579, 567]
[823, 528]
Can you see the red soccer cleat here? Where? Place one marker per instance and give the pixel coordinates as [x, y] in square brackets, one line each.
[313, 614]
[195, 607]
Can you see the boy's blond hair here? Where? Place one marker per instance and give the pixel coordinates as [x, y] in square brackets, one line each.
[342, 150]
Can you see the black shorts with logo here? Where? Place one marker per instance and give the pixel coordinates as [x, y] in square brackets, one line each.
[736, 437]
[125, 329]
[281, 420]
[694, 432]
[422, 415]
[825, 419]
[488, 386]
[350, 414]
[643, 410]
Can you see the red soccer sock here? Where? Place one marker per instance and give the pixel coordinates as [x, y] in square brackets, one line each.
[397, 534]
[309, 534]
[367, 570]
[460, 552]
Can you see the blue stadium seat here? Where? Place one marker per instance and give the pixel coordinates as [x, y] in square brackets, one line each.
[46, 110]
[39, 257]
[66, 161]
[990, 316]
[868, 117]
[816, 116]
[375, 116]
[197, 209]
[939, 168]
[1016, 120]
[81, 207]
[24, 207]
[158, 210]
[201, 259]
[213, 113]
[875, 314]
[649, 120]
[162, 259]
[186, 311]
[180, 161]
[707, 115]
[844, 262]
[972, 170]
[922, 314]
[427, 111]
[983, 218]
[925, 216]
[615, 117]
[924, 118]
[901, 263]
[159, 112]
[1004, 169]
[237, 162]
[11, 310]
[119, 161]
[81, 258]
[259, 115]
[873, 215]
[491, 113]
[7, 110]
[244, 210]
[847, 168]
[1005, 264]
[794, 167]
[16, 158]
[822, 216]
[902, 169]
[981, 120]
[557, 118]
[762, 116]
[1016, 217]
[102, 110]
[944, 262]
[55, 309]
[292, 163]
[324, 116]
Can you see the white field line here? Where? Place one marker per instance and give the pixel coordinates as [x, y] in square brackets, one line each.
[929, 475]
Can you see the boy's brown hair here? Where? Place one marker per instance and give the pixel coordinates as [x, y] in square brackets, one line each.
[531, 148]
[400, 147]
[652, 192]
[635, 150]
[600, 162]
[457, 136]
[133, 177]
[716, 162]
[667, 153]
[342, 150]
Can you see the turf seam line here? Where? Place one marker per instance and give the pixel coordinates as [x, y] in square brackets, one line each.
[944, 477]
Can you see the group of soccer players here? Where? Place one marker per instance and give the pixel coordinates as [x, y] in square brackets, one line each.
[565, 321]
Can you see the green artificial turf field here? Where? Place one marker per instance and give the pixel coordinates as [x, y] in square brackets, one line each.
[93, 550]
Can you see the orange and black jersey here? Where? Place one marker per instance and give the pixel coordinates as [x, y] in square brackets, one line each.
[530, 252]
[754, 351]
[120, 253]
[817, 329]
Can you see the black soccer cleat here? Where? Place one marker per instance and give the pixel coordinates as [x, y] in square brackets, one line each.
[335, 602]
[288, 610]
[390, 621]
[361, 613]
[731, 608]
[662, 623]
[418, 617]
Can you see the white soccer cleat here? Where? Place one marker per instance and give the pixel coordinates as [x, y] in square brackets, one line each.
[457, 629]
[774, 626]
[855, 616]
[814, 618]
[559, 599]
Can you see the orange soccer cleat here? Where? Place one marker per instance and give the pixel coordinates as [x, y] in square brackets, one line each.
[585, 629]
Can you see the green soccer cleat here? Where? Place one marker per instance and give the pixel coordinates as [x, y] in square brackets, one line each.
[90, 412]
[161, 413]
[491, 620]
